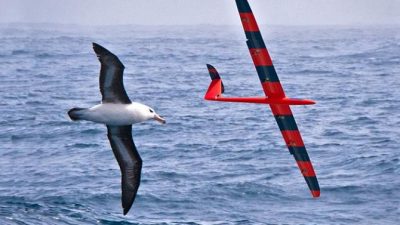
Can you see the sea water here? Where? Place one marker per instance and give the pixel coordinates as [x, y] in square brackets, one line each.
[212, 163]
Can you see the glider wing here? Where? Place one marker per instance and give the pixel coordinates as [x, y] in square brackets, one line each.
[273, 89]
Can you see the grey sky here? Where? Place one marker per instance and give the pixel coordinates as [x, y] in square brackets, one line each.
[191, 12]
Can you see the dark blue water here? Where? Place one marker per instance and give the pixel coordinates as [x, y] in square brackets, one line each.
[213, 163]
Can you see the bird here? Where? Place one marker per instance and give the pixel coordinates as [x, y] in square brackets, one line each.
[118, 113]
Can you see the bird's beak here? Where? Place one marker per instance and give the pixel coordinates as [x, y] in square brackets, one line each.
[159, 119]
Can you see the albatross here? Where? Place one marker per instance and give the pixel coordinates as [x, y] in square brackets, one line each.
[118, 113]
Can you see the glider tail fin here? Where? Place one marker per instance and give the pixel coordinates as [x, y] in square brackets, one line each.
[216, 87]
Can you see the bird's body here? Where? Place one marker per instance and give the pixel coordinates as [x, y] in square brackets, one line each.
[118, 113]
[115, 114]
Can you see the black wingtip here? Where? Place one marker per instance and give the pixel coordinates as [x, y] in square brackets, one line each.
[100, 50]
[126, 211]
[105, 56]
[127, 198]
[127, 206]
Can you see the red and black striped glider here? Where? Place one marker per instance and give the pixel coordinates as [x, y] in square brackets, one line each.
[276, 98]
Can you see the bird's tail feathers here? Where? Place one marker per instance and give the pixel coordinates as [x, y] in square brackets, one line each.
[76, 113]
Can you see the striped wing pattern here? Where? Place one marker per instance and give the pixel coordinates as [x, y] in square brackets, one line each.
[273, 89]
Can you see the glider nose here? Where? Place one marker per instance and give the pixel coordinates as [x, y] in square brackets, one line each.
[159, 119]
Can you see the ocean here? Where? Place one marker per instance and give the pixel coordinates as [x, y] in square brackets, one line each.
[212, 163]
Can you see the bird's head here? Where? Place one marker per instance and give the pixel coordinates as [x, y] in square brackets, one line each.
[143, 112]
[153, 115]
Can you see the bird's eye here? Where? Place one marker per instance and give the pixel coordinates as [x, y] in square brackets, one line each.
[151, 110]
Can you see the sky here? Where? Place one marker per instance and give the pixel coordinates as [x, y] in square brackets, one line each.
[194, 12]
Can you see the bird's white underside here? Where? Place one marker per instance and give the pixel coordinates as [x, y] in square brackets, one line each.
[118, 114]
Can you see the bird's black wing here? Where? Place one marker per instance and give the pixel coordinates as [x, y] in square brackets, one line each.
[111, 77]
[129, 162]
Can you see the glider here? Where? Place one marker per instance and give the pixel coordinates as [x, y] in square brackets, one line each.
[275, 95]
